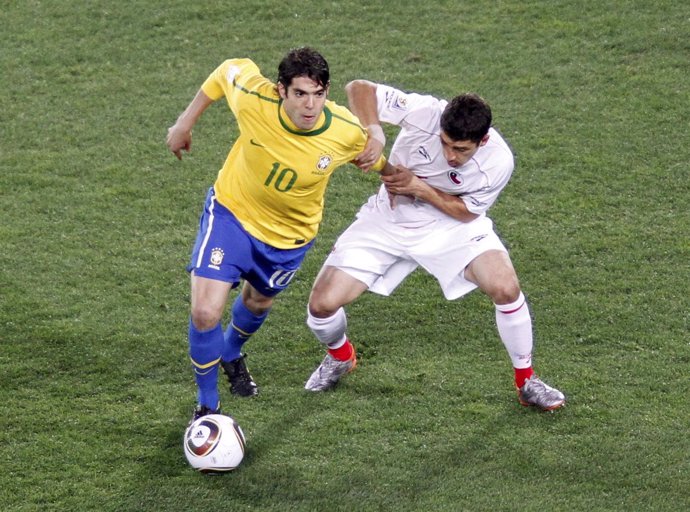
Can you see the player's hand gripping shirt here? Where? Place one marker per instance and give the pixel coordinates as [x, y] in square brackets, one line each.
[275, 176]
[418, 148]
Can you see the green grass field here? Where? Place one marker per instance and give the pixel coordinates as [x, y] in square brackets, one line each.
[98, 219]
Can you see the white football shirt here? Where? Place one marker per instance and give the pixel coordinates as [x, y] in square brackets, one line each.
[418, 148]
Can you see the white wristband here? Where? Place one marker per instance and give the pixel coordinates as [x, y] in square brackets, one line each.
[376, 133]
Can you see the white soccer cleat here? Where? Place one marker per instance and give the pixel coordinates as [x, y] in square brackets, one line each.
[537, 394]
[329, 373]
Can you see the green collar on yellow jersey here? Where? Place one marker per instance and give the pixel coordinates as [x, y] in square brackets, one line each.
[328, 117]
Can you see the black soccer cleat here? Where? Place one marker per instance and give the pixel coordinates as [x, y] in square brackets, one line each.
[202, 410]
[241, 382]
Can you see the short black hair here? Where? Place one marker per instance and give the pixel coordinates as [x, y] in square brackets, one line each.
[303, 61]
[466, 117]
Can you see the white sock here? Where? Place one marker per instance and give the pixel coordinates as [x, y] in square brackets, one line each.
[329, 331]
[515, 329]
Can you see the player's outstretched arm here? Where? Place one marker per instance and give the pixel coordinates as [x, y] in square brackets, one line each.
[180, 134]
[361, 97]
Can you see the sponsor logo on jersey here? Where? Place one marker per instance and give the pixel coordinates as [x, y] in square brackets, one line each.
[216, 258]
[422, 151]
[254, 143]
[476, 202]
[479, 238]
[454, 176]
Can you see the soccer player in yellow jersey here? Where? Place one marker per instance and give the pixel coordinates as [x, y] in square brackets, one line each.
[263, 211]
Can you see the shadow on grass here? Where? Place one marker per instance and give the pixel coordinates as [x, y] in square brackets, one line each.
[308, 452]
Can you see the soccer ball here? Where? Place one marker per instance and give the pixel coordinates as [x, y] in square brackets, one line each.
[214, 444]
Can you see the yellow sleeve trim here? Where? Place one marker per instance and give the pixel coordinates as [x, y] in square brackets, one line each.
[380, 164]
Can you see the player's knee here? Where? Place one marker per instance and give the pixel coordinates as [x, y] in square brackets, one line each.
[259, 305]
[205, 317]
[330, 329]
[320, 307]
[505, 291]
[255, 301]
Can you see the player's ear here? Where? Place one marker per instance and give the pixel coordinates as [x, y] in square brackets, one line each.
[282, 91]
[484, 140]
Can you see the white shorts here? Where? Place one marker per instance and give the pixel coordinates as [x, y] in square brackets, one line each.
[382, 254]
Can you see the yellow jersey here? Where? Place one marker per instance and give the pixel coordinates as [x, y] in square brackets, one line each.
[275, 176]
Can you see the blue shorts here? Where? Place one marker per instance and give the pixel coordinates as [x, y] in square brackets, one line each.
[226, 252]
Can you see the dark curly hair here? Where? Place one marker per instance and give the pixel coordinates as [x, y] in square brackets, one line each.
[466, 117]
[303, 62]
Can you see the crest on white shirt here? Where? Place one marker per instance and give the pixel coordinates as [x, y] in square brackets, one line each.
[455, 177]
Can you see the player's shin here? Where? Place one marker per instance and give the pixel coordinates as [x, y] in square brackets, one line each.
[244, 323]
[204, 351]
[515, 329]
[331, 332]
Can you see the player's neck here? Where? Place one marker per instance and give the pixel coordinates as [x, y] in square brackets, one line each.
[287, 122]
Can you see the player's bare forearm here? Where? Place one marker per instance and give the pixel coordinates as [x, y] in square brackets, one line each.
[447, 203]
[404, 182]
[361, 98]
[180, 134]
[388, 169]
[192, 113]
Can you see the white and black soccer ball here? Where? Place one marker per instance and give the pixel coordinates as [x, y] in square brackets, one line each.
[214, 443]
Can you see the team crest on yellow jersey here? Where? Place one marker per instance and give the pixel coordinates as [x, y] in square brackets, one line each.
[323, 163]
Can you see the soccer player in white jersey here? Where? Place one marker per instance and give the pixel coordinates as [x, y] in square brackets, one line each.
[452, 165]
[265, 207]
